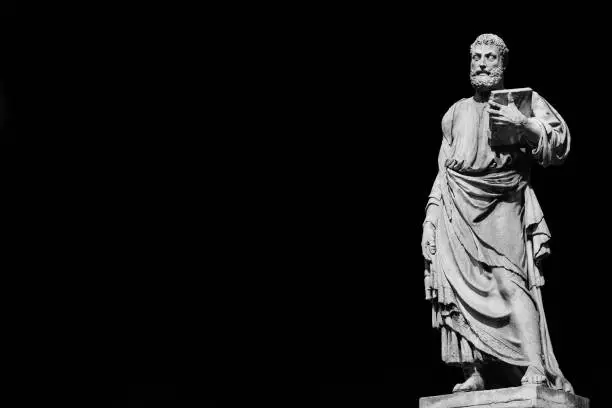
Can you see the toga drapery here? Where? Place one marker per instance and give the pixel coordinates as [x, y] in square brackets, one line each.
[487, 216]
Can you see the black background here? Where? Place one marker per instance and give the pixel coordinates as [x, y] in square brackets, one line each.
[320, 294]
[7, 73]
[377, 348]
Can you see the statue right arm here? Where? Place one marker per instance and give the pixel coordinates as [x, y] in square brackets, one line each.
[434, 202]
[432, 208]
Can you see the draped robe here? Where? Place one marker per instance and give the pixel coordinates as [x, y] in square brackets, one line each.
[488, 216]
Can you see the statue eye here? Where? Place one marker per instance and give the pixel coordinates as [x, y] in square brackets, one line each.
[475, 57]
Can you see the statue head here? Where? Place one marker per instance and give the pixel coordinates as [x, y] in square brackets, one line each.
[489, 58]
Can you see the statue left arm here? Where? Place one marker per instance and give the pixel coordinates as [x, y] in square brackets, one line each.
[546, 133]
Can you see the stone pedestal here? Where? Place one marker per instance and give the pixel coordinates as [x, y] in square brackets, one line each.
[527, 396]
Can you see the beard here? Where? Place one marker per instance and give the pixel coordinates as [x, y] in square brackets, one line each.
[487, 82]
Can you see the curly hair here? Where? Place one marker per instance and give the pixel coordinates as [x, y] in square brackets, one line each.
[492, 39]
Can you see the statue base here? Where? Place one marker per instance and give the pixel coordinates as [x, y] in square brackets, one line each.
[527, 396]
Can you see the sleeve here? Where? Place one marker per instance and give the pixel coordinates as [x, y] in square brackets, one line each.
[432, 209]
[554, 143]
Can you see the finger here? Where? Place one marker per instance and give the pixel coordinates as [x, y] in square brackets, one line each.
[494, 112]
[493, 103]
[499, 121]
[496, 121]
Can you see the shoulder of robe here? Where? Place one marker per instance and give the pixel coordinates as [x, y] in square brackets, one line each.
[538, 101]
[536, 98]
[447, 119]
[540, 106]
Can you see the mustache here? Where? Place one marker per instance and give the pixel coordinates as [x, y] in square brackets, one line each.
[489, 72]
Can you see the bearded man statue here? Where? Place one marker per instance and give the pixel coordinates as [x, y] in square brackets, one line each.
[484, 233]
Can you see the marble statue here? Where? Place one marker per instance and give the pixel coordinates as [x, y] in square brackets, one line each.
[484, 234]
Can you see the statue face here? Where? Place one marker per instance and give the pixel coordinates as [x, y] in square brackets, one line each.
[486, 68]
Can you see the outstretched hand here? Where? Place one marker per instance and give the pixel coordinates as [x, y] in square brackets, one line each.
[501, 115]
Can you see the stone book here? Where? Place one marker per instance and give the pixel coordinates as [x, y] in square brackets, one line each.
[522, 100]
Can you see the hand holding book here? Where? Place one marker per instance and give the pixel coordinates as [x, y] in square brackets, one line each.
[509, 111]
[509, 115]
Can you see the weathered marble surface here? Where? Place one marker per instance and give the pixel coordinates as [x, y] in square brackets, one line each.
[527, 396]
[484, 233]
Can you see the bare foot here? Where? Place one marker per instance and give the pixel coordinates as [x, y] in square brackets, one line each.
[534, 375]
[473, 383]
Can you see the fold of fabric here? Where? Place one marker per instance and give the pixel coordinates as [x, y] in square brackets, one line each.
[487, 219]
